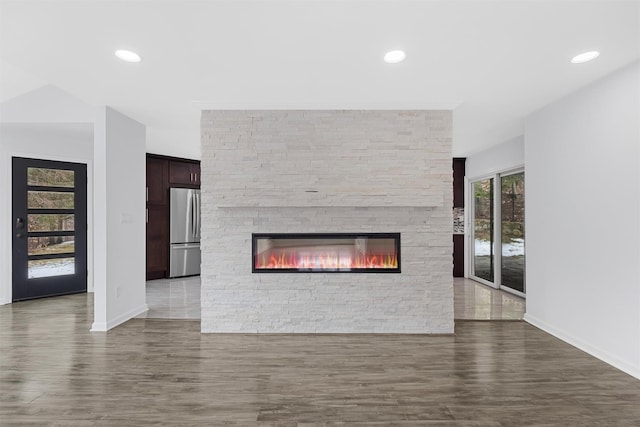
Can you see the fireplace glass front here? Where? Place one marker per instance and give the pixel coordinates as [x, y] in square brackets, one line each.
[326, 253]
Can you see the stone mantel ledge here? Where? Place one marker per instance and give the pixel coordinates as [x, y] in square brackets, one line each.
[317, 205]
[361, 201]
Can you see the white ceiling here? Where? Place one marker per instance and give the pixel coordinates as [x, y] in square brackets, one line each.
[495, 61]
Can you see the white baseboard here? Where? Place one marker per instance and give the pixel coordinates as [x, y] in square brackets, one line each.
[110, 324]
[587, 348]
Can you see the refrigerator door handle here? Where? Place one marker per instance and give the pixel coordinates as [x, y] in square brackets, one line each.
[192, 201]
[195, 216]
[198, 217]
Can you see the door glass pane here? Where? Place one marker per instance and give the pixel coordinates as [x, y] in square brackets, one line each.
[51, 267]
[50, 177]
[51, 245]
[50, 200]
[50, 222]
[483, 258]
[512, 192]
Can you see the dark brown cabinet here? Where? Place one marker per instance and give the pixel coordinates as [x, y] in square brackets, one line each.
[459, 166]
[157, 242]
[157, 217]
[157, 181]
[184, 173]
[163, 173]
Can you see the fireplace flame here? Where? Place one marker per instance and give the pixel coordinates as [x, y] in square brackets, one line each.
[325, 261]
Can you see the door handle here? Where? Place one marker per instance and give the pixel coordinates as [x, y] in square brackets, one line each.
[19, 227]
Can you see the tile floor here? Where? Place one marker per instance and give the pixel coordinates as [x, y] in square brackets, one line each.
[180, 299]
[475, 301]
[173, 299]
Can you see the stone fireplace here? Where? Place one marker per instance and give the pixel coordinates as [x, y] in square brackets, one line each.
[350, 174]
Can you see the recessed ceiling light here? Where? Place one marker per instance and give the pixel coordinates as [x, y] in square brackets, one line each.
[127, 55]
[394, 56]
[585, 56]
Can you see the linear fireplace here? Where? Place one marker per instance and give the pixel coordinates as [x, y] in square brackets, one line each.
[326, 253]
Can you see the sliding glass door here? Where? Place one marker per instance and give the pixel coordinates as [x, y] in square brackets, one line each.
[512, 231]
[497, 219]
[483, 254]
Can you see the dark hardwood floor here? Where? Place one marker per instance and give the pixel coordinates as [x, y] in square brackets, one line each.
[53, 371]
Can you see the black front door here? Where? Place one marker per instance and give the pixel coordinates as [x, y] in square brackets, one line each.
[49, 228]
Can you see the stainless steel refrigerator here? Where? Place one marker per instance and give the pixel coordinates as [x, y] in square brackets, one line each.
[184, 232]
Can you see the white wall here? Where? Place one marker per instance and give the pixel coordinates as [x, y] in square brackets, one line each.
[120, 219]
[502, 157]
[48, 104]
[64, 142]
[583, 219]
